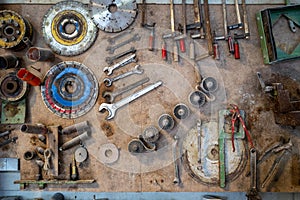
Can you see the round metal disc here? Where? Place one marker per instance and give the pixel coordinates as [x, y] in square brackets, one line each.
[70, 89]
[209, 84]
[166, 122]
[135, 146]
[12, 88]
[13, 29]
[151, 134]
[113, 15]
[197, 98]
[109, 153]
[68, 28]
[81, 154]
[181, 111]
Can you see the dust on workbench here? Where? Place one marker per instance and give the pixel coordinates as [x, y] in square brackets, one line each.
[155, 172]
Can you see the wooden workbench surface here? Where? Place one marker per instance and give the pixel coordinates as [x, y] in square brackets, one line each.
[155, 171]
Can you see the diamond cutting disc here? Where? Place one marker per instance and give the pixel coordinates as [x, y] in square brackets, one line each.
[70, 89]
[68, 28]
[113, 15]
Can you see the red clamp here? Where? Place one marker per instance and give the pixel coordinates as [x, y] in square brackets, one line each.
[237, 115]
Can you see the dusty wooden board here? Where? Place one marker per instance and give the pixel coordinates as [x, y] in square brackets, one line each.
[237, 78]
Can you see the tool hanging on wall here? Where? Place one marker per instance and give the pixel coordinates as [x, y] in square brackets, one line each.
[198, 21]
[182, 29]
[147, 26]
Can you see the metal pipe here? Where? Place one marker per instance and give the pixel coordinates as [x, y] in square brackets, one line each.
[79, 128]
[40, 54]
[73, 142]
[5, 134]
[8, 61]
[36, 129]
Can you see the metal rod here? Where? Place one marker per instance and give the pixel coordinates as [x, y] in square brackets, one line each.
[208, 28]
[74, 141]
[246, 25]
[225, 17]
[79, 128]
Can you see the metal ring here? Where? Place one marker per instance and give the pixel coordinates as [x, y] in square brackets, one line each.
[12, 88]
[13, 29]
[68, 28]
[109, 153]
[70, 89]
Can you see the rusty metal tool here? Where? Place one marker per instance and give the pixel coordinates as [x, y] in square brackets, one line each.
[252, 194]
[112, 40]
[182, 37]
[5, 133]
[239, 24]
[110, 60]
[209, 36]
[199, 21]
[14, 139]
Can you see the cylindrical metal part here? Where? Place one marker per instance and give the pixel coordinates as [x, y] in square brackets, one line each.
[230, 45]
[8, 61]
[27, 76]
[151, 40]
[236, 50]
[58, 196]
[40, 54]
[40, 150]
[42, 138]
[208, 28]
[74, 141]
[216, 51]
[29, 155]
[5, 134]
[164, 51]
[182, 45]
[74, 170]
[79, 128]
[36, 129]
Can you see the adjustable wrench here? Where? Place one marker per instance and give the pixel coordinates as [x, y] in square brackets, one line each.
[112, 49]
[110, 96]
[108, 81]
[112, 108]
[110, 60]
[122, 63]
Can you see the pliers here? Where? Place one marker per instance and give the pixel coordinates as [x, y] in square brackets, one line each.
[236, 115]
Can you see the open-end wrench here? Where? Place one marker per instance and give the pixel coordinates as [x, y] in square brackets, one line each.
[110, 60]
[112, 40]
[110, 96]
[112, 108]
[122, 63]
[177, 179]
[137, 70]
[135, 37]
[252, 194]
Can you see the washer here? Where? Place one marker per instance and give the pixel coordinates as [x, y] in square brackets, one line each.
[197, 98]
[81, 154]
[113, 15]
[12, 88]
[68, 28]
[136, 146]
[209, 84]
[109, 153]
[70, 89]
[166, 122]
[151, 134]
[181, 111]
[14, 30]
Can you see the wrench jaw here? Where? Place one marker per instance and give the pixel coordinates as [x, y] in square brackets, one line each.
[108, 96]
[107, 82]
[109, 108]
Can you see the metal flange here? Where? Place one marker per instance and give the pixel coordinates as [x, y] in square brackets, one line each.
[166, 122]
[68, 28]
[181, 111]
[12, 88]
[70, 89]
[113, 15]
[81, 154]
[151, 134]
[14, 30]
[109, 153]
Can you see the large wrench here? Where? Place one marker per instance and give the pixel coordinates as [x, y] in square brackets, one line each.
[108, 81]
[122, 63]
[110, 96]
[110, 60]
[112, 49]
[112, 108]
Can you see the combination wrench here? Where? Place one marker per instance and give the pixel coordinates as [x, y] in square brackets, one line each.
[112, 49]
[112, 108]
[110, 96]
[129, 59]
[108, 81]
[110, 60]
[112, 40]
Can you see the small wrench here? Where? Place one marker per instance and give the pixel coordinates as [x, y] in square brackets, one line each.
[108, 81]
[110, 96]
[122, 63]
[112, 108]
[112, 40]
[112, 49]
[110, 60]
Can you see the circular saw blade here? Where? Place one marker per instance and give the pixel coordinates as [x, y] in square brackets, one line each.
[113, 15]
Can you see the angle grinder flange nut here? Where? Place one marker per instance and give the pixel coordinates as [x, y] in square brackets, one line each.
[13, 30]
[166, 122]
[12, 88]
[209, 84]
[68, 28]
[197, 98]
[151, 134]
[109, 153]
[181, 111]
[81, 154]
[136, 146]
[113, 15]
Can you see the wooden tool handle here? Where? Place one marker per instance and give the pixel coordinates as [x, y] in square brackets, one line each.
[208, 28]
